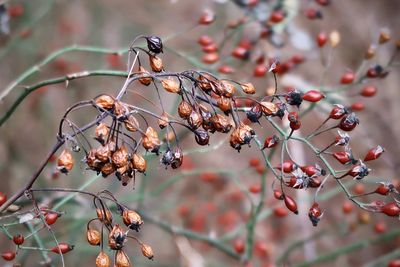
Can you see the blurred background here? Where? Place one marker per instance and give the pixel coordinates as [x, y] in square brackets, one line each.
[209, 194]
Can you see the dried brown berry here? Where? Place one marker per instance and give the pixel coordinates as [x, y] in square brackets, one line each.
[102, 260]
[195, 120]
[226, 89]
[150, 140]
[224, 104]
[145, 76]
[248, 88]
[147, 251]
[120, 157]
[156, 63]
[184, 109]
[101, 133]
[177, 158]
[170, 85]
[132, 219]
[139, 163]
[93, 237]
[65, 162]
[220, 123]
[103, 153]
[121, 259]
[131, 123]
[116, 238]
[107, 219]
[105, 101]
[163, 121]
[204, 82]
[269, 108]
[241, 135]
[120, 109]
[107, 169]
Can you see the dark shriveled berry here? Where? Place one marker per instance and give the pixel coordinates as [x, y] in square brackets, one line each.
[154, 44]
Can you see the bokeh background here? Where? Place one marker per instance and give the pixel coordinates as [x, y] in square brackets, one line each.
[209, 204]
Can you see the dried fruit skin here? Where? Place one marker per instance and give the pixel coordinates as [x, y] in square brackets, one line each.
[156, 63]
[116, 238]
[150, 140]
[170, 85]
[93, 237]
[105, 102]
[102, 260]
[139, 163]
[65, 162]
[121, 259]
[147, 251]
[132, 219]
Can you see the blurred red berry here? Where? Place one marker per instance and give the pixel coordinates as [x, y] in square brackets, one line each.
[321, 39]
[368, 91]
[207, 18]
[205, 40]
[380, 227]
[347, 77]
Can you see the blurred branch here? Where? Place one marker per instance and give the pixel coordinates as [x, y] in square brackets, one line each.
[350, 248]
[36, 68]
[63, 79]
[190, 234]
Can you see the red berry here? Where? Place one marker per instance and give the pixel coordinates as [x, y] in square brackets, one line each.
[291, 204]
[209, 177]
[368, 91]
[347, 207]
[51, 218]
[287, 166]
[295, 125]
[374, 153]
[255, 188]
[225, 69]
[260, 70]
[261, 248]
[349, 122]
[372, 73]
[3, 198]
[15, 10]
[394, 263]
[312, 13]
[315, 214]
[297, 59]
[391, 209]
[210, 58]
[211, 48]
[323, 2]
[357, 106]
[63, 247]
[343, 157]
[206, 18]
[338, 112]
[254, 162]
[347, 78]
[313, 96]
[241, 53]
[278, 194]
[271, 141]
[239, 245]
[280, 212]
[384, 189]
[277, 16]
[205, 40]
[18, 239]
[321, 39]
[380, 227]
[8, 256]
[359, 189]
